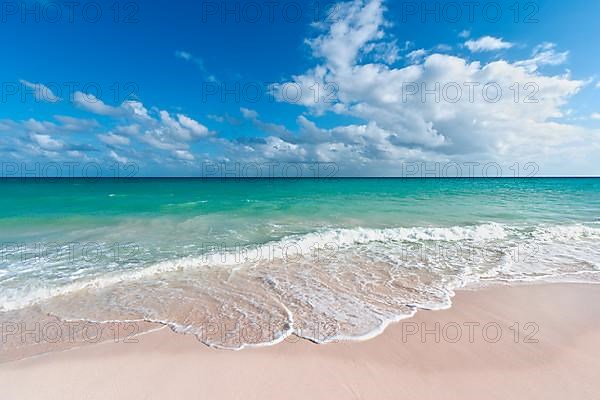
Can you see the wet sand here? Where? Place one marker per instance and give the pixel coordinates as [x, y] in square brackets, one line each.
[506, 342]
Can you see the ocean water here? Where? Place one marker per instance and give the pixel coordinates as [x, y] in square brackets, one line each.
[242, 263]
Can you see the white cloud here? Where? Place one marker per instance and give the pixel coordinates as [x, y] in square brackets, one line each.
[184, 55]
[136, 109]
[67, 125]
[46, 142]
[131, 130]
[544, 54]
[400, 124]
[443, 47]
[464, 34]
[158, 129]
[40, 91]
[355, 24]
[216, 118]
[92, 104]
[75, 154]
[387, 53]
[114, 140]
[275, 148]
[187, 56]
[487, 43]
[249, 114]
[196, 128]
[390, 125]
[77, 125]
[184, 155]
[122, 160]
[266, 127]
[42, 127]
[172, 134]
[134, 125]
[416, 56]
[129, 108]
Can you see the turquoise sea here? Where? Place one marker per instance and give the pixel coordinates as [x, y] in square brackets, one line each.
[323, 259]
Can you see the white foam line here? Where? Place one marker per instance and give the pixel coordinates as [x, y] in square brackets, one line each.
[306, 242]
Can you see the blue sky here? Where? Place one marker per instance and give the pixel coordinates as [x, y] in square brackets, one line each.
[142, 84]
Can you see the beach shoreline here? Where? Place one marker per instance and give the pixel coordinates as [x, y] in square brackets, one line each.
[540, 338]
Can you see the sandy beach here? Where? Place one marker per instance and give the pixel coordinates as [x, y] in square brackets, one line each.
[505, 342]
[305, 200]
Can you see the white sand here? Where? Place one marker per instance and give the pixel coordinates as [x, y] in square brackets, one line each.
[565, 363]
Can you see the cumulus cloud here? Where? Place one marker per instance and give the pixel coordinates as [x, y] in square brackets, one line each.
[160, 129]
[487, 43]
[137, 134]
[445, 107]
[351, 27]
[32, 139]
[441, 108]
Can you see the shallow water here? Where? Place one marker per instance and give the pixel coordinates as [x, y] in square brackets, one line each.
[250, 262]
